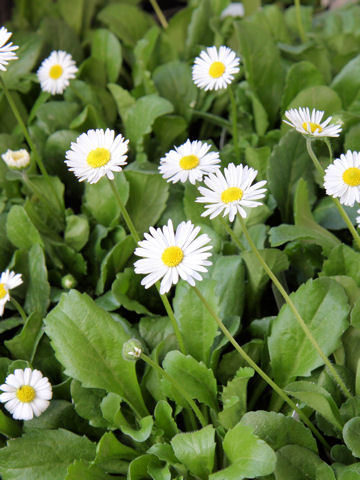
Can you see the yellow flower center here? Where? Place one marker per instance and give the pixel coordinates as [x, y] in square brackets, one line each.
[172, 256]
[351, 176]
[312, 127]
[3, 291]
[26, 394]
[232, 194]
[216, 69]
[98, 157]
[55, 72]
[189, 161]
[17, 156]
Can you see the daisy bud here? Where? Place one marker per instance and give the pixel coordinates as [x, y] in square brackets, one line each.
[132, 349]
[16, 159]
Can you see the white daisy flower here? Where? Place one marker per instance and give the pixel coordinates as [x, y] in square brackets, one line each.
[235, 9]
[8, 281]
[230, 192]
[16, 159]
[310, 123]
[214, 69]
[26, 393]
[170, 255]
[6, 51]
[97, 153]
[190, 162]
[342, 178]
[56, 71]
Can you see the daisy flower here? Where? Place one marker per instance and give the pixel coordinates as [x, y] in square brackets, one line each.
[170, 255]
[26, 393]
[342, 178]
[8, 280]
[235, 9]
[310, 124]
[231, 192]
[190, 162]
[6, 51]
[16, 159]
[56, 71]
[214, 69]
[97, 153]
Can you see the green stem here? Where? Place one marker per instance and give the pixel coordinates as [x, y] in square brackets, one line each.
[299, 21]
[230, 231]
[328, 144]
[292, 307]
[26, 134]
[340, 208]
[177, 386]
[136, 238]
[262, 374]
[18, 308]
[159, 13]
[213, 118]
[174, 323]
[124, 213]
[234, 122]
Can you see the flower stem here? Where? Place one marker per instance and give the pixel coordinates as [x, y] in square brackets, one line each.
[230, 231]
[293, 308]
[299, 21]
[26, 134]
[19, 308]
[159, 13]
[262, 374]
[177, 386]
[136, 238]
[340, 208]
[234, 122]
[213, 118]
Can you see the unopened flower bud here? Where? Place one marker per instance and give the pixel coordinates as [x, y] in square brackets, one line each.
[68, 281]
[16, 159]
[132, 349]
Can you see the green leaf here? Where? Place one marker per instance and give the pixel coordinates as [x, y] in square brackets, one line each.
[53, 116]
[112, 455]
[164, 419]
[173, 82]
[324, 472]
[296, 463]
[126, 288]
[328, 216]
[343, 260]
[44, 449]
[87, 403]
[123, 99]
[323, 305]
[259, 54]
[99, 199]
[351, 436]
[77, 231]
[347, 83]
[228, 273]
[106, 48]
[234, 398]
[141, 116]
[24, 344]
[279, 430]
[38, 293]
[197, 380]
[20, 230]
[203, 443]
[249, 456]
[300, 76]
[288, 163]
[128, 22]
[258, 158]
[87, 341]
[81, 469]
[257, 277]
[197, 326]
[141, 183]
[198, 31]
[317, 398]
